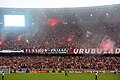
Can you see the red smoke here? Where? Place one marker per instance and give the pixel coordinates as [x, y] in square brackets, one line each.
[18, 39]
[53, 22]
[70, 39]
[1, 43]
[106, 46]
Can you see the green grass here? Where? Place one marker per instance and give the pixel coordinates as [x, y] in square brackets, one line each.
[59, 76]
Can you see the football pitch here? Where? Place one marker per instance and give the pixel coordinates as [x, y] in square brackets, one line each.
[60, 76]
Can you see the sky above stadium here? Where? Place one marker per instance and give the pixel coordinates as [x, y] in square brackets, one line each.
[55, 3]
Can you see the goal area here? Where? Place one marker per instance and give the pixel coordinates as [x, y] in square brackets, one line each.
[5, 69]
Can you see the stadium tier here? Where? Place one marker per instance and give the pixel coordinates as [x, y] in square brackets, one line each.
[86, 28]
[62, 62]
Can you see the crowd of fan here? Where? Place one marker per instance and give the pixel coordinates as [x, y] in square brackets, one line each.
[58, 38]
[62, 62]
[72, 25]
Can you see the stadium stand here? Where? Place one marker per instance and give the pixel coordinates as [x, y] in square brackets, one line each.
[61, 28]
[62, 62]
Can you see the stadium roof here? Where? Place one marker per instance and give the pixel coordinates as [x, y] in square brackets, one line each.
[55, 3]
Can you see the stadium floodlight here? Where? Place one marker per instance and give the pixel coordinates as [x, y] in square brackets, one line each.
[55, 3]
